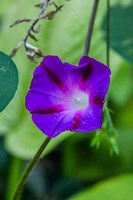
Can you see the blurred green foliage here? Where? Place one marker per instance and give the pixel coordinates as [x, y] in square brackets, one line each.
[73, 165]
[112, 189]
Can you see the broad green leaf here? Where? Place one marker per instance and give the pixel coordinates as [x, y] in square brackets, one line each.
[8, 80]
[122, 82]
[121, 30]
[0, 22]
[28, 142]
[117, 188]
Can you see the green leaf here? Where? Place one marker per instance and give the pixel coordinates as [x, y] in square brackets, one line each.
[121, 30]
[117, 188]
[8, 80]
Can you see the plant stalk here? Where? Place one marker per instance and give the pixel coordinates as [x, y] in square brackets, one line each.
[19, 189]
[90, 27]
[108, 32]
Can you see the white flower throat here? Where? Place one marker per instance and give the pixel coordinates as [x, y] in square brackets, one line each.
[80, 100]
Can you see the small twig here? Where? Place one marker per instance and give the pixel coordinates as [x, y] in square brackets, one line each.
[16, 48]
[51, 14]
[33, 51]
[90, 28]
[18, 21]
[45, 4]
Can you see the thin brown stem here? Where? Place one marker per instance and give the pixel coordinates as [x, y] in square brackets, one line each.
[34, 23]
[32, 51]
[90, 27]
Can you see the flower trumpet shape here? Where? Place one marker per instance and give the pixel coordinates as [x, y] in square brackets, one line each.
[67, 97]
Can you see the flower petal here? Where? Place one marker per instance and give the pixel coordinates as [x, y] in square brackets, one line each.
[80, 121]
[76, 72]
[50, 77]
[84, 60]
[87, 120]
[37, 102]
[53, 124]
[98, 92]
[89, 73]
[98, 71]
[41, 82]
[57, 71]
[67, 97]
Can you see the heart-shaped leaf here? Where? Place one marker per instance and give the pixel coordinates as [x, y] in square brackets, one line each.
[8, 80]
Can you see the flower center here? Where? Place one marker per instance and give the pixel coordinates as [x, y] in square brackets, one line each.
[79, 100]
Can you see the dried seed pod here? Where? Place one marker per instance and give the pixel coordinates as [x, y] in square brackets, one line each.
[18, 21]
[14, 51]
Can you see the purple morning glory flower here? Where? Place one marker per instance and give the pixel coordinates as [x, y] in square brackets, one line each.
[67, 97]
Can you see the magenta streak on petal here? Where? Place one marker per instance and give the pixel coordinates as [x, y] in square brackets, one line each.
[54, 109]
[97, 100]
[55, 78]
[86, 73]
[99, 82]
[59, 123]
[47, 93]
[76, 120]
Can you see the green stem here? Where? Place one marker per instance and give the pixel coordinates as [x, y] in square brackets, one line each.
[111, 133]
[90, 27]
[13, 176]
[110, 123]
[108, 59]
[18, 191]
[108, 32]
